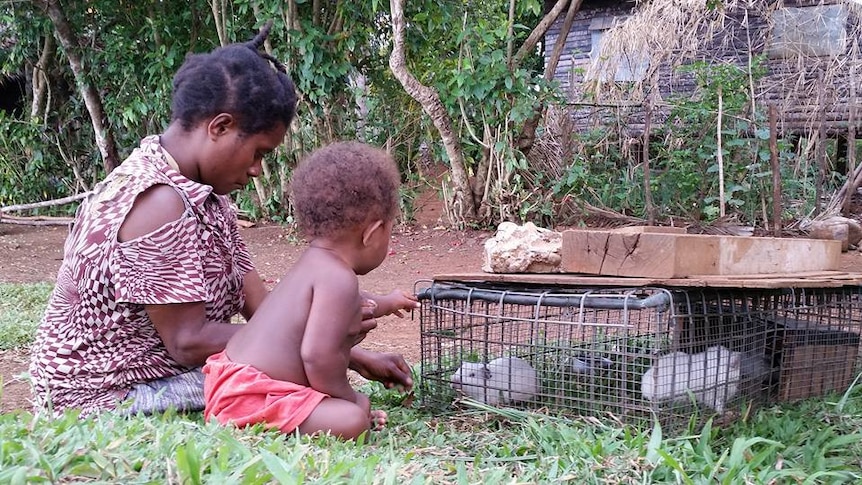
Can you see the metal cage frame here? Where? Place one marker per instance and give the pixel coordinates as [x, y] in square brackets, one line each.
[592, 349]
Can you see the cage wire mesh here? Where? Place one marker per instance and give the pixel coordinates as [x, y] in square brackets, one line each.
[635, 353]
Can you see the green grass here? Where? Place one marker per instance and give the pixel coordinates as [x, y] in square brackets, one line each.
[21, 307]
[808, 442]
[813, 441]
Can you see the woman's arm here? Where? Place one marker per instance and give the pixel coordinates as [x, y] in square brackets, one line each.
[189, 338]
[254, 292]
[187, 335]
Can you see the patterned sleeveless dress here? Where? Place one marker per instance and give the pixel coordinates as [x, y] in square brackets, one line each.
[95, 340]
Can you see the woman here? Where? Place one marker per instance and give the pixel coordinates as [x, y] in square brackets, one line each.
[154, 267]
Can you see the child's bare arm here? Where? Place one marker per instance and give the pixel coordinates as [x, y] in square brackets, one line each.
[333, 322]
[395, 303]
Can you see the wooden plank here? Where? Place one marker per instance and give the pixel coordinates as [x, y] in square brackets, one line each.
[649, 229]
[652, 255]
[834, 276]
[836, 279]
[800, 274]
[663, 255]
[548, 279]
[770, 255]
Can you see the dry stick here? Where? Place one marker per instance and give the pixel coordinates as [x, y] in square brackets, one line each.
[650, 208]
[776, 170]
[39, 220]
[720, 157]
[36, 220]
[851, 145]
[820, 151]
[846, 192]
[47, 203]
[263, 194]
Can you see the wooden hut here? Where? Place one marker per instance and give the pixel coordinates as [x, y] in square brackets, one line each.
[619, 54]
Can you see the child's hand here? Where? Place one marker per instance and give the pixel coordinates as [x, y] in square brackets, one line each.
[388, 368]
[397, 302]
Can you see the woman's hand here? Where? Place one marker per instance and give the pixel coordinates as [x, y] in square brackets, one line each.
[369, 323]
[388, 368]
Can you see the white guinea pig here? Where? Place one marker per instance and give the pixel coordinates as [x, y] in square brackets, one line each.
[503, 380]
[712, 376]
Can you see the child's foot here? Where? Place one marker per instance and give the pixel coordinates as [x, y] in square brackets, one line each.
[378, 419]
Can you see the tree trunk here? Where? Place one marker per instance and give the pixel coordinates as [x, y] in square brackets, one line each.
[776, 171]
[528, 133]
[217, 7]
[92, 99]
[40, 81]
[820, 148]
[291, 17]
[462, 199]
[851, 146]
[315, 13]
[263, 183]
[510, 32]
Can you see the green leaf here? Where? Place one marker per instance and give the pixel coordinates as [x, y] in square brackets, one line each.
[654, 444]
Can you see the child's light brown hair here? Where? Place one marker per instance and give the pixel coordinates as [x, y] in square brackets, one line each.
[343, 185]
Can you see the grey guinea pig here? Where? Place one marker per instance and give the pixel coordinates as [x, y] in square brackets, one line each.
[503, 380]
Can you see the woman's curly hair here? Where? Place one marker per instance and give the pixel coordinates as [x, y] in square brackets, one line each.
[236, 79]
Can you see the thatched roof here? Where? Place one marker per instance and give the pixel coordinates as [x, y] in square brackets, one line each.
[675, 32]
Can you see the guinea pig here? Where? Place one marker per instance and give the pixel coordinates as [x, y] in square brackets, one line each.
[502, 381]
[712, 376]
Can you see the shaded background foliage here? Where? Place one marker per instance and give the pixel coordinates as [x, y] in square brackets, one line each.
[338, 55]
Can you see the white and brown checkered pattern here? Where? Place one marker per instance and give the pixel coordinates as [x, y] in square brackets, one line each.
[95, 340]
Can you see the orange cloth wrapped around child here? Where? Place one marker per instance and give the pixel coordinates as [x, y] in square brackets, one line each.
[242, 395]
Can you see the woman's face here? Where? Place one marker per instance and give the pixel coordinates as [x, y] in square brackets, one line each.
[234, 157]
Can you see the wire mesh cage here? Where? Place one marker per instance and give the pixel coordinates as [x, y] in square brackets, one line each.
[634, 352]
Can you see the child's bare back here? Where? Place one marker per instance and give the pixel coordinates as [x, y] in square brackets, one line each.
[309, 323]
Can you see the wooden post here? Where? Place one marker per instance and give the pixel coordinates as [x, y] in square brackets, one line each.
[648, 203]
[720, 157]
[776, 171]
[851, 162]
[851, 122]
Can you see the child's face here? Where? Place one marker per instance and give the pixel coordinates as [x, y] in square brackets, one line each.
[378, 246]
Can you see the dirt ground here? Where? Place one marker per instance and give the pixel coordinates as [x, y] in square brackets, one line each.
[417, 253]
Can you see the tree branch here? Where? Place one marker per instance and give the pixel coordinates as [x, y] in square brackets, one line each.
[429, 99]
[92, 99]
[538, 32]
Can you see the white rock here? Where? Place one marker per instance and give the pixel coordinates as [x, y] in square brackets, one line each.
[838, 228]
[523, 249]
